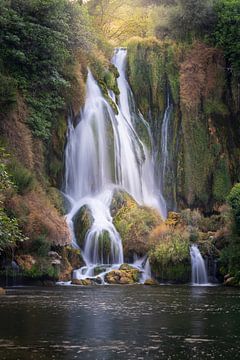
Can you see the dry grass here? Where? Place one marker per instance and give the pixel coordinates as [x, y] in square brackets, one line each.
[38, 217]
[200, 74]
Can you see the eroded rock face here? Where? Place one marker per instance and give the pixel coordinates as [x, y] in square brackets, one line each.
[123, 277]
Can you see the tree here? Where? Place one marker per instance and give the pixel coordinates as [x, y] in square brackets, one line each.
[192, 18]
[227, 31]
[38, 40]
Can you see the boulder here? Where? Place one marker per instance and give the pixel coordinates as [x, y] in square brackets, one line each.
[2, 291]
[83, 282]
[134, 224]
[82, 222]
[122, 276]
[150, 282]
[126, 267]
[231, 281]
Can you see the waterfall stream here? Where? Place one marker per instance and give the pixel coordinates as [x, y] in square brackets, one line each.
[104, 152]
[199, 273]
[164, 146]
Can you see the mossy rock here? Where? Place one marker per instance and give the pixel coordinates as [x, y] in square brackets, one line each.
[134, 224]
[82, 221]
[99, 269]
[126, 267]
[150, 282]
[123, 277]
[83, 282]
[104, 246]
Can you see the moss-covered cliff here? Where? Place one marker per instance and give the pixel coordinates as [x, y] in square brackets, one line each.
[204, 145]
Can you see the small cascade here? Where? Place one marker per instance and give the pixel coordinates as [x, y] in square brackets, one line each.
[147, 273]
[199, 273]
[164, 145]
[104, 152]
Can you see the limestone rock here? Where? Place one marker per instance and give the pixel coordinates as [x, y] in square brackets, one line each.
[150, 282]
[122, 276]
[83, 282]
[82, 221]
[2, 291]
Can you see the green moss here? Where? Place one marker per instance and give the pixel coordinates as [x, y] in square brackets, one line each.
[221, 181]
[8, 93]
[134, 224]
[82, 222]
[215, 107]
[170, 258]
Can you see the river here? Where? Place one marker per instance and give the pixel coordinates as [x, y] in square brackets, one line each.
[120, 322]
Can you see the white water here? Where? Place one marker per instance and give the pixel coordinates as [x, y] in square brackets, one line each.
[164, 145]
[104, 152]
[199, 273]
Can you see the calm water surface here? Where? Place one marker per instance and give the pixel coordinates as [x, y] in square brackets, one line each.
[120, 322]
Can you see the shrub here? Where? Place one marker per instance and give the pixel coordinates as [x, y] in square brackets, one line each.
[233, 200]
[22, 177]
[10, 232]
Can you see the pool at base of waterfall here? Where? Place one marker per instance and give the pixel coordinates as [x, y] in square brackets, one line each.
[114, 322]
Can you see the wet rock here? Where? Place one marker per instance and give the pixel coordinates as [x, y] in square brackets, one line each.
[231, 281]
[126, 267]
[122, 276]
[2, 291]
[150, 282]
[54, 254]
[134, 224]
[82, 222]
[99, 269]
[83, 282]
[56, 262]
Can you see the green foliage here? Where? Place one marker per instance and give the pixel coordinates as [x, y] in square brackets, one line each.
[234, 201]
[222, 181]
[192, 18]
[5, 181]
[21, 177]
[42, 270]
[134, 223]
[8, 94]
[10, 232]
[227, 31]
[41, 246]
[38, 39]
[146, 62]
[170, 257]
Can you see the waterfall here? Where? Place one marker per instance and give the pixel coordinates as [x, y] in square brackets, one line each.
[164, 146]
[104, 152]
[199, 273]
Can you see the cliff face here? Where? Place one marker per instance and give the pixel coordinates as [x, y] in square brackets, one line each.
[203, 135]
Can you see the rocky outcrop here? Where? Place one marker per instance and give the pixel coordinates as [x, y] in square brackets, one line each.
[204, 124]
[125, 275]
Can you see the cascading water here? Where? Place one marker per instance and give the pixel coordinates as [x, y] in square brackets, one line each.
[164, 145]
[199, 273]
[104, 152]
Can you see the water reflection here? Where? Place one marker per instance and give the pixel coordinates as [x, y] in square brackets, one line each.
[130, 322]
